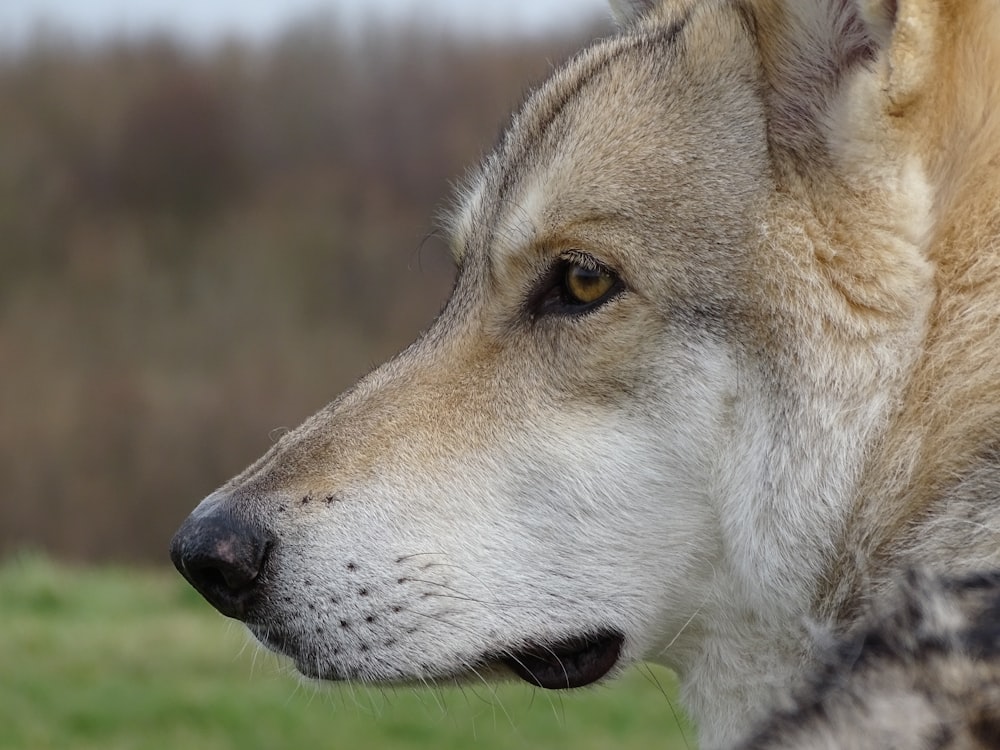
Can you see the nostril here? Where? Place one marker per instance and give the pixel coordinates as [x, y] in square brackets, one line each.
[235, 562]
[222, 557]
[219, 572]
[212, 577]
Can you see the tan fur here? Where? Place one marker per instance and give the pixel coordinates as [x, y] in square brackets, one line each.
[951, 411]
[793, 395]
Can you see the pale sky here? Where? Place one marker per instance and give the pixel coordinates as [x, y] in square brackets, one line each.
[203, 20]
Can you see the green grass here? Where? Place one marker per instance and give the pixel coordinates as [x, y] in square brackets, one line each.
[117, 658]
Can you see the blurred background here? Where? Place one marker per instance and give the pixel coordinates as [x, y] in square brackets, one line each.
[214, 216]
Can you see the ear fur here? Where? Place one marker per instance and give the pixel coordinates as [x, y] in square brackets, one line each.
[905, 30]
[880, 18]
[809, 49]
[806, 50]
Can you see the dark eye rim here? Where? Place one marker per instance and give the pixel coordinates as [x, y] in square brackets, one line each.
[551, 297]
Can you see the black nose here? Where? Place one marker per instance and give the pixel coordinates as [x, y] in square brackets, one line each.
[222, 557]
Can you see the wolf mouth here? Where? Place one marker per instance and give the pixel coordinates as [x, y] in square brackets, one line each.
[554, 665]
[568, 663]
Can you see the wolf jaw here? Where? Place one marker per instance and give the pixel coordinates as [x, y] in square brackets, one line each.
[743, 437]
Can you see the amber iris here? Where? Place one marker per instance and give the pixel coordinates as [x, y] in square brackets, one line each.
[585, 286]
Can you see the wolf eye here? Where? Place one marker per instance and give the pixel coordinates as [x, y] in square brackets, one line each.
[576, 284]
[585, 286]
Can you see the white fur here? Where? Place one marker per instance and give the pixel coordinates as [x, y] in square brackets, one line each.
[682, 463]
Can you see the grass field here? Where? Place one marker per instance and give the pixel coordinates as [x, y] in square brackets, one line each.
[116, 659]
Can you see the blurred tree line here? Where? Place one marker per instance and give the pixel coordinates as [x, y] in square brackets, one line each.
[199, 248]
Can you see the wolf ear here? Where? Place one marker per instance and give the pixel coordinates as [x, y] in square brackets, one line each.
[905, 32]
[810, 49]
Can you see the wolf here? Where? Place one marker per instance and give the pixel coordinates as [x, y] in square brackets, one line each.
[721, 361]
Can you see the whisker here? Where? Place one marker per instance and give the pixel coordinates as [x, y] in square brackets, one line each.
[648, 671]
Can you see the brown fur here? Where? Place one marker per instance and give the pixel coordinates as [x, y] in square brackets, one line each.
[793, 397]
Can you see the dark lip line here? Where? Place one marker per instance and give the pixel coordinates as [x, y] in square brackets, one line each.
[507, 660]
[557, 664]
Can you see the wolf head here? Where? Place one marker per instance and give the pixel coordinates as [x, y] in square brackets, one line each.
[693, 283]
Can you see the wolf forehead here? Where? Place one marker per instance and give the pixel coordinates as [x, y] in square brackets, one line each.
[625, 111]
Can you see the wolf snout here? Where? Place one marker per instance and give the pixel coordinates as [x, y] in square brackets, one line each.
[222, 557]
